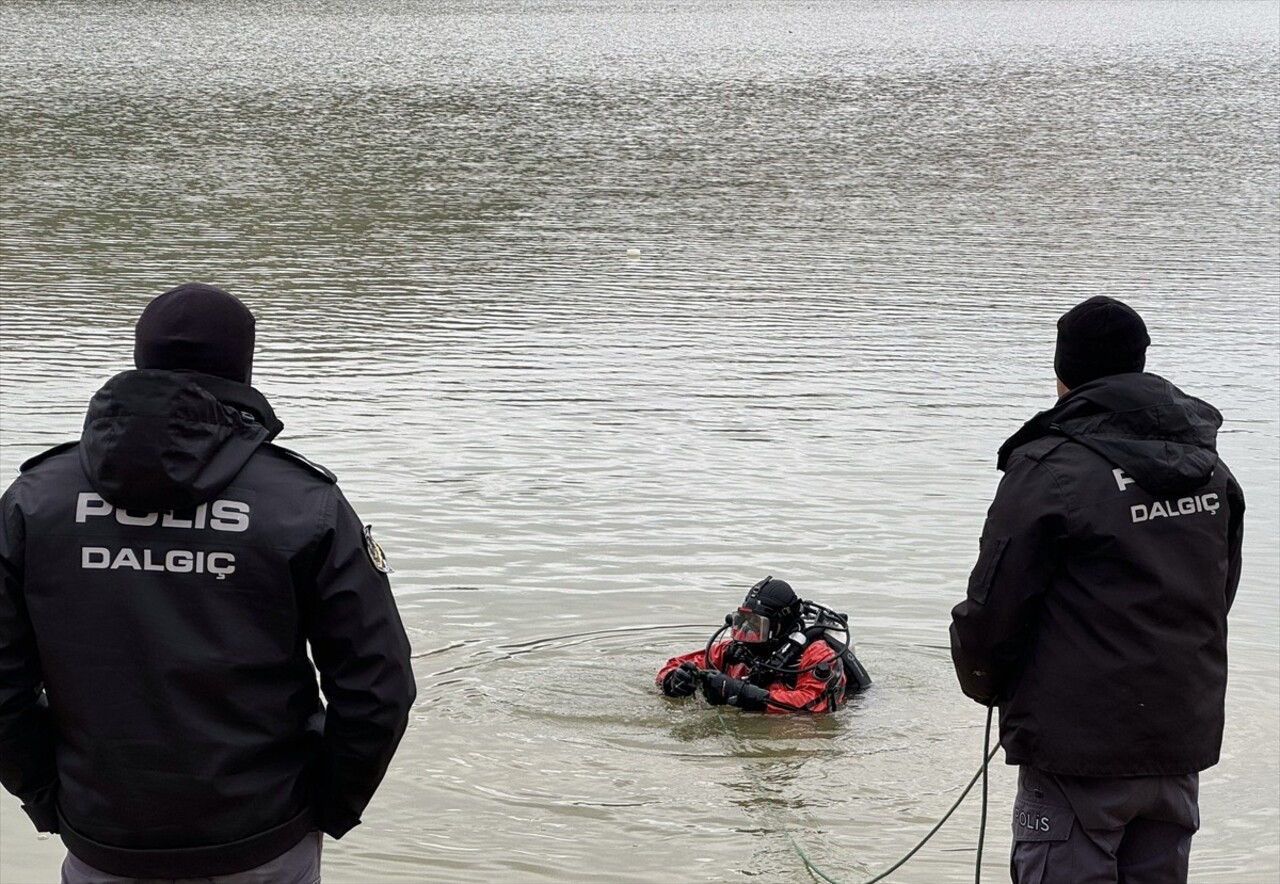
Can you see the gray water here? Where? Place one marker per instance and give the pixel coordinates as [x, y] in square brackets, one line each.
[856, 224]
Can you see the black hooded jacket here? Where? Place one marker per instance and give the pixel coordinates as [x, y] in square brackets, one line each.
[162, 581]
[1096, 616]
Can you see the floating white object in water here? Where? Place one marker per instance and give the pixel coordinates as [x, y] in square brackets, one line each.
[633, 253]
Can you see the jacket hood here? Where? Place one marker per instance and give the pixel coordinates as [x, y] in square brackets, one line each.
[1162, 438]
[157, 440]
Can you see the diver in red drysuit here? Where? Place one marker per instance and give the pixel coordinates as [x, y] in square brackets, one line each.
[783, 655]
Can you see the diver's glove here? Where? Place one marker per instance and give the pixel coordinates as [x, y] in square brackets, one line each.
[719, 689]
[681, 681]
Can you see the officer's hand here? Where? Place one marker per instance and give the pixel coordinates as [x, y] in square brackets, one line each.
[681, 681]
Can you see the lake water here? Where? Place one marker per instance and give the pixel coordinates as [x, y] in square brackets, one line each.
[856, 225]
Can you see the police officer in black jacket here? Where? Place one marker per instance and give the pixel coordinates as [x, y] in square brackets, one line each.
[1096, 616]
[163, 579]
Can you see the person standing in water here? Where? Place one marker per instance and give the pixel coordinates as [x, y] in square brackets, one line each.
[783, 654]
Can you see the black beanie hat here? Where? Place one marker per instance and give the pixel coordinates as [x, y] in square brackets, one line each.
[1099, 337]
[196, 327]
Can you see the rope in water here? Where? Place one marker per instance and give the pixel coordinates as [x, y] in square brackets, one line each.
[816, 872]
[779, 823]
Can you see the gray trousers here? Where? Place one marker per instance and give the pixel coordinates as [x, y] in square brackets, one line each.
[1103, 830]
[299, 864]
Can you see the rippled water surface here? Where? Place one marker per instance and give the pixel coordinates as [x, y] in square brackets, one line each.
[855, 225]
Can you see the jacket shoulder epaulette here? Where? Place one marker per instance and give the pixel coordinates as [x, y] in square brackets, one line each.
[45, 455]
[298, 458]
[1042, 447]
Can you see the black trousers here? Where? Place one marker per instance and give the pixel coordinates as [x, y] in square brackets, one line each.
[1103, 830]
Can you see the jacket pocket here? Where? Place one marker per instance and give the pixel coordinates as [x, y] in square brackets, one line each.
[1038, 833]
[990, 551]
[1037, 821]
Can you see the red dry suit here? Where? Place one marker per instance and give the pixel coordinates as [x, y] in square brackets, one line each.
[819, 686]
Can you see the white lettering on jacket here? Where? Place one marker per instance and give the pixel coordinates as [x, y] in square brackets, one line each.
[174, 561]
[220, 515]
[1122, 481]
[1183, 506]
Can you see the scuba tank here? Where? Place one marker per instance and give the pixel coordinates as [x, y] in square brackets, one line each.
[833, 628]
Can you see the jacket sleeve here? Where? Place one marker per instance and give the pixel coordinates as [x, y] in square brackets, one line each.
[1235, 537]
[361, 650]
[27, 766]
[697, 657]
[1018, 554]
